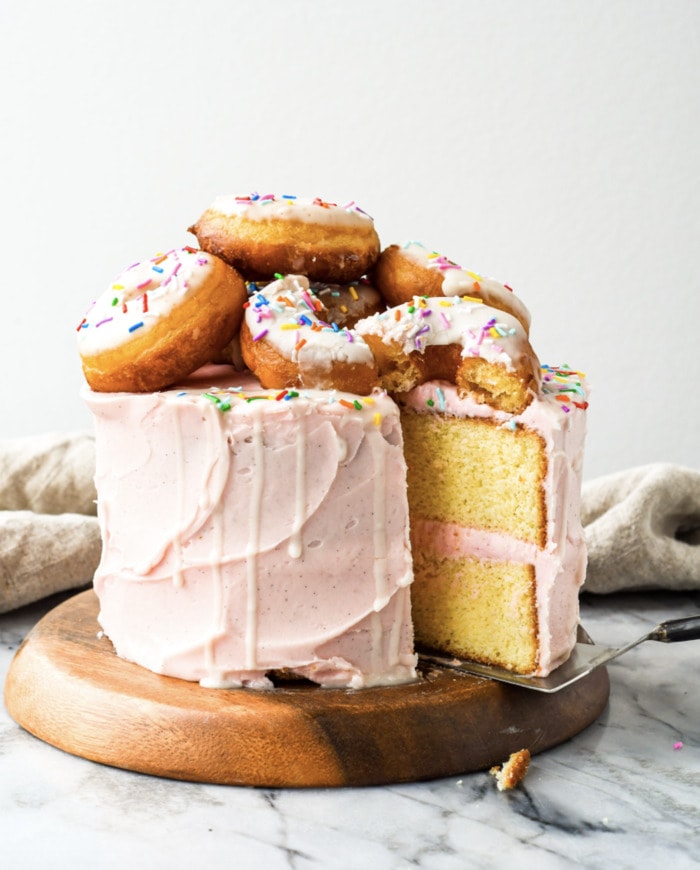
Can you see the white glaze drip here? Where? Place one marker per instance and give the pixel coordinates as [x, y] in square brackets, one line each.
[190, 513]
[255, 519]
[382, 594]
[218, 607]
[295, 539]
[402, 607]
[178, 578]
[377, 640]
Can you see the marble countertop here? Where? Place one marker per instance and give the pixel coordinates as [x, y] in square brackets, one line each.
[623, 793]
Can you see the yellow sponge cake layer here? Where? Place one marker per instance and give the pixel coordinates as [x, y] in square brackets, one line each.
[476, 473]
[476, 609]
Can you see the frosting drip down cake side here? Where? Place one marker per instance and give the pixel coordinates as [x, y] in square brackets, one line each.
[247, 531]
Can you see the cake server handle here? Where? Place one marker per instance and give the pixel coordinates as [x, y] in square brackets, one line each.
[673, 630]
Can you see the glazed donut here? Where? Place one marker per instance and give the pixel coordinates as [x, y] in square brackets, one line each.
[287, 342]
[345, 304]
[267, 236]
[409, 270]
[482, 350]
[159, 321]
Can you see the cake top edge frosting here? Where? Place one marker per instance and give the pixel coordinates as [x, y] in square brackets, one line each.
[563, 391]
[228, 390]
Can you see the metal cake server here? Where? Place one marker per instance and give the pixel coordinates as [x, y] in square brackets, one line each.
[586, 657]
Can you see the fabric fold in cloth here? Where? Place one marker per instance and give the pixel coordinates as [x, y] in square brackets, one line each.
[49, 533]
[642, 529]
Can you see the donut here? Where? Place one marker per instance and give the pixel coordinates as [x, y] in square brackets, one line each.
[459, 339]
[267, 236]
[231, 353]
[412, 269]
[345, 304]
[287, 342]
[159, 321]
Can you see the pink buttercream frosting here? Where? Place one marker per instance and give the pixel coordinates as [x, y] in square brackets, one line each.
[246, 531]
[558, 416]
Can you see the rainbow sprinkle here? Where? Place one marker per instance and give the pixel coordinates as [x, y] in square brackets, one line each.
[298, 320]
[223, 398]
[129, 293]
[566, 385]
[292, 200]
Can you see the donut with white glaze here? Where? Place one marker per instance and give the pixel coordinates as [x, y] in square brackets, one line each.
[288, 342]
[482, 350]
[268, 236]
[412, 269]
[159, 320]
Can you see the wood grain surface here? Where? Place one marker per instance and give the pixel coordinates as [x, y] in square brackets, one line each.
[67, 687]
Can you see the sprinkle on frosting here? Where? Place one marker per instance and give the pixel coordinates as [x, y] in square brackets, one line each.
[452, 283]
[226, 398]
[454, 280]
[140, 295]
[289, 314]
[566, 385]
[288, 204]
[561, 384]
[482, 331]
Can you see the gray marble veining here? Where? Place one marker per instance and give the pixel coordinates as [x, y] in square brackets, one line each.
[624, 793]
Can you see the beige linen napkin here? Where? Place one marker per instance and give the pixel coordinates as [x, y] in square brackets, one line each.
[642, 528]
[49, 534]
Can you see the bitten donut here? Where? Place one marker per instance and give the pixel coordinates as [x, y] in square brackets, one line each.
[482, 350]
[267, 236]
[412, 269]
[159, 321]
[287, 342]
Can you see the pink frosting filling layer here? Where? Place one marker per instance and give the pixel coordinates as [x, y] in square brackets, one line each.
[268, 534]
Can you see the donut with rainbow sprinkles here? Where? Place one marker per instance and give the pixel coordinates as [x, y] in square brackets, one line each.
[159, 320]
[287, 340]
[266, 235]
[412, 269]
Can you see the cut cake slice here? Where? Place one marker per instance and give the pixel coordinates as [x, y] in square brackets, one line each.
[498, 548]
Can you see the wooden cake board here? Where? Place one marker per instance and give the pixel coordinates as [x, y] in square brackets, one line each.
[67, 687]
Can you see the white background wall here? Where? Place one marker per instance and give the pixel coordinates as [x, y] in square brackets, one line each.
[552, 144]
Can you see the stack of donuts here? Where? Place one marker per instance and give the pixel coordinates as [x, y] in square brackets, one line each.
[301, 291]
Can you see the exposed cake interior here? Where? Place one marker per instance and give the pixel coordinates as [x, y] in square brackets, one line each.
[498, 548]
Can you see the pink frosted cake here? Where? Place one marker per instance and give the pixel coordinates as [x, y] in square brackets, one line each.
[247, 532]
[257, 523]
